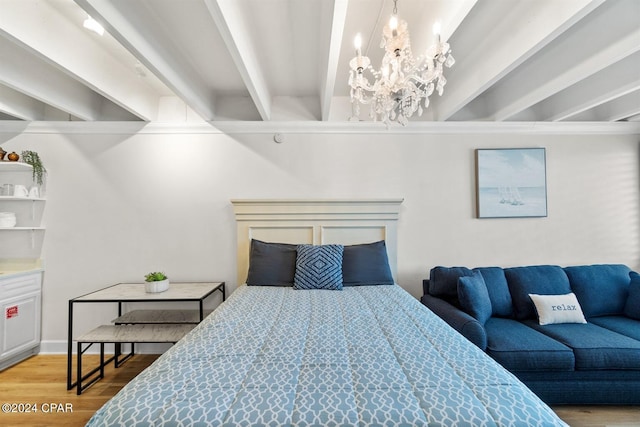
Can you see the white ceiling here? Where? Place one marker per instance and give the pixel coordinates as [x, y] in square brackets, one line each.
[287, 60]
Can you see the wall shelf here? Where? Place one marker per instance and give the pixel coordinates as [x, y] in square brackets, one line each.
[21, 199]
[28, 210]
[14, 166]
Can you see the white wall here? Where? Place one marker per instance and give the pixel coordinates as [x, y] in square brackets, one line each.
[122, 205]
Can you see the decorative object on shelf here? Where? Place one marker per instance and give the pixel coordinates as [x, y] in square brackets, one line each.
[20, 190]
[403, 84]
[6, 190]
[156, 282]
[2, 153]
[7, 219]
[13, 156]
[33, 158]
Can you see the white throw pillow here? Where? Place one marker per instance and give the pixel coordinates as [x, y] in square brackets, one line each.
[557, 309]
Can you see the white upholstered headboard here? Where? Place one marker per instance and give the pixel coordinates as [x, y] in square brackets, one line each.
[315, 221]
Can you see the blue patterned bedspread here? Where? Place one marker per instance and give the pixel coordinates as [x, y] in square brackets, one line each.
[363, 356]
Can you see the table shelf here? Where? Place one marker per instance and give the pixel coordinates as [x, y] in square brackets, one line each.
[146, 333]
[160, 316]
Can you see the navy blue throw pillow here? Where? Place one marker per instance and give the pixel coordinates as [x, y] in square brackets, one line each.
[271, 264]
[366, 264]
[319, 267]
[474, 297]
[632, 307]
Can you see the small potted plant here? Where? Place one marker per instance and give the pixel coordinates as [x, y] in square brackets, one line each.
[33, 158]
[156, 282]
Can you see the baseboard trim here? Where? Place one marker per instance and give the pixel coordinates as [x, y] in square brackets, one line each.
[17, 358]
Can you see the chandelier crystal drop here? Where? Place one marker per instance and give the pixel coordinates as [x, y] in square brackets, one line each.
[403, 84]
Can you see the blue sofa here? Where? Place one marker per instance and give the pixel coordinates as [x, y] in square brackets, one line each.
[595, 362]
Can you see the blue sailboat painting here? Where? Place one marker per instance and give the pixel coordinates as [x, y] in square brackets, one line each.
[511, 183]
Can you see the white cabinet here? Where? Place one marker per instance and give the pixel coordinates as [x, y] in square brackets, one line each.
[20, 305]
[20, 265]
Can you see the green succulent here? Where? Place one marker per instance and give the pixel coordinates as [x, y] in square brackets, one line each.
[156, 276]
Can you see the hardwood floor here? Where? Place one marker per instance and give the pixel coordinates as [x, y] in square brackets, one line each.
[600, 416]
[41, 381]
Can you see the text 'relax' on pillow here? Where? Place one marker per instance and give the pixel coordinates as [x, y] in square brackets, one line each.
[554, 309]
[271, 264]
[474, 297]
[319, 267]
[366, 264]
[632, 306]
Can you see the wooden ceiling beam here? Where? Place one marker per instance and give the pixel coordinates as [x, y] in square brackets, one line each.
[489, 50]
[19, 105]
[585, 51]
[620, 108]
[134, 28]
[336, 30]
[72, 50]
[39, 80]
[235, 33]
[614, 81]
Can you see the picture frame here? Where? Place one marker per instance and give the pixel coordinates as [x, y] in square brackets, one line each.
[511, 183]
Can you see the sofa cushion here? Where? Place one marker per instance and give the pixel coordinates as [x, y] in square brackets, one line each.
[538, 279]
[591, 282]
[498, 289]
[632, 305]
[520, 348]
[443, 281]
[557, 309]
[594, 347]
[620, 324]
[473, 297]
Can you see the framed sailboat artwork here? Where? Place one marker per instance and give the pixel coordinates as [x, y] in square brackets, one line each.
[511, 183]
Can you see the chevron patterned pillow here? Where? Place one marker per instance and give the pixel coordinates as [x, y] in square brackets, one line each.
[319, 267]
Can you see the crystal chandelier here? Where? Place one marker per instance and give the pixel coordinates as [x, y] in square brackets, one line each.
[403, 84]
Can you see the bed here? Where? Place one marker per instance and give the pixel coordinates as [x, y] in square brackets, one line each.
[366, 354]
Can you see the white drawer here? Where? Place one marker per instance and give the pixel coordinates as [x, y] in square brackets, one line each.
[20, 285]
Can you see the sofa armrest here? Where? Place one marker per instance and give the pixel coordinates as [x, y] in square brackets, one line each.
[469, 327]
